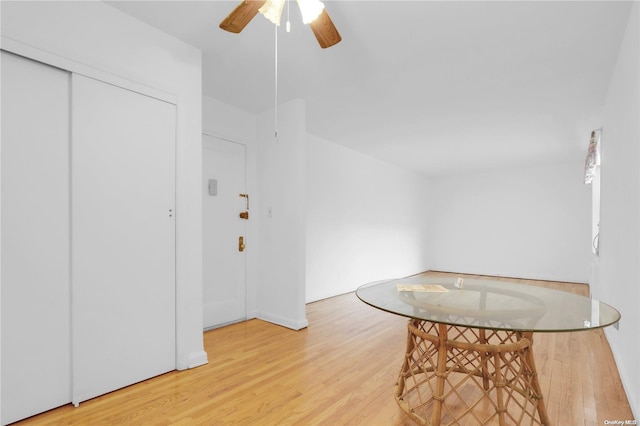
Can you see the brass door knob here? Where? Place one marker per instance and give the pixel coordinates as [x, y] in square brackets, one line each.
[244, 215]
[241, 245]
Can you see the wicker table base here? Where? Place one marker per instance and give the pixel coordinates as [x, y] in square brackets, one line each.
[455, 375]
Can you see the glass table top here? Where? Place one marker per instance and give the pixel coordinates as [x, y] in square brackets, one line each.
[488, 304]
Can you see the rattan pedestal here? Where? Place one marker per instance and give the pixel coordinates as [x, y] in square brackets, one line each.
[454, 375]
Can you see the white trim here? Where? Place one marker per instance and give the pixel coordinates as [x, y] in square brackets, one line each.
[512, 275]
[285, 322]
[37, 54]
[197, 359]
[635, 408]
[224, 138]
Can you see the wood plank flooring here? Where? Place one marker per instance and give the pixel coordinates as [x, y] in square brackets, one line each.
[339, 371]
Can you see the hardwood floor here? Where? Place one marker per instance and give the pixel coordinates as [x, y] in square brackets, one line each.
[339, 371]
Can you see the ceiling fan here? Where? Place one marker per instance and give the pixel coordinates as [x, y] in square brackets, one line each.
[313, 13]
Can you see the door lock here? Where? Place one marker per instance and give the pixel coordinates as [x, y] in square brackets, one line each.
[244, 215]
[241, 245]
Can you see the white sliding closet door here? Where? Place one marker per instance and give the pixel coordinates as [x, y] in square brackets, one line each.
[35, 238]
[123, 237]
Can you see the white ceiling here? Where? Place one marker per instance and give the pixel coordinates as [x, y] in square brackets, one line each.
[438, 87]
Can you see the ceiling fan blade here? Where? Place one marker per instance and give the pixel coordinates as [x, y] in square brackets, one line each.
[241, 15]
[324, 30]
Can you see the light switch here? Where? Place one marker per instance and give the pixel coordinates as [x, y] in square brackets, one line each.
[213, 187]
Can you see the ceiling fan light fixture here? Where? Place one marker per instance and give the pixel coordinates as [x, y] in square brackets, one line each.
[310, 10]
[313, 13]
[272, 10]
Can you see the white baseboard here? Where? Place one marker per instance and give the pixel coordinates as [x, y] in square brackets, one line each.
[285, 322]
[197, 359]
[517, 275]
[633, 399]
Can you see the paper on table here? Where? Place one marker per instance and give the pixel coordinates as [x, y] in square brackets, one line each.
[430, 288]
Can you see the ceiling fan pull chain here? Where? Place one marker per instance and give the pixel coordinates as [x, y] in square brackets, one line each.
[288, 22]
[276, 85]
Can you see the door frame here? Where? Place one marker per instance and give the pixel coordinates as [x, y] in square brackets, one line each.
[74, 67]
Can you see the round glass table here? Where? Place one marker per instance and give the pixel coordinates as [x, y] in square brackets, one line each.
[469, 357]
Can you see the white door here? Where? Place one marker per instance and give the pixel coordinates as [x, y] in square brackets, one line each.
[35, 238]
[123, 237]
[223, 172]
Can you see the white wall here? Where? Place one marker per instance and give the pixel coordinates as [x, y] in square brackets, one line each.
[228, 122]
[98, 40]
[529, 223]
[280, 215]
[366, 220]
[360, 241]
[620, 208]
[0, 246]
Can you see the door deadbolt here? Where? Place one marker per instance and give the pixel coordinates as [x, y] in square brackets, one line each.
[244, 215]
[241, 245]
